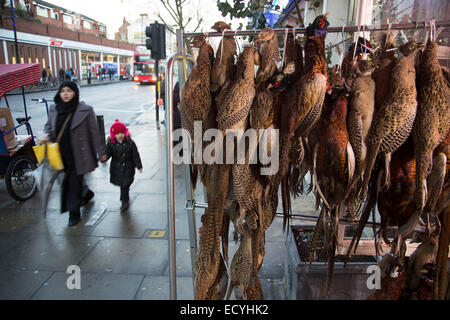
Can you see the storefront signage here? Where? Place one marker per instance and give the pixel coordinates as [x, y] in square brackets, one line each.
[56, 43]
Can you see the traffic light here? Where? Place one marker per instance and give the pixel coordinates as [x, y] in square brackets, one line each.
[156, 42]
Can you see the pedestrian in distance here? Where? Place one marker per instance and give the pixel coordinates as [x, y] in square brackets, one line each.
[62, 75]
[80, 146]
[89, 75]
[49, 74]
[124, 160]
[44, 76]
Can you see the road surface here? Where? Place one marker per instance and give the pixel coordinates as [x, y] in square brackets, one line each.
[127, 101]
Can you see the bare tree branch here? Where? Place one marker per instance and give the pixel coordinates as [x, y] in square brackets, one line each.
[170, 28]
[170, 10]
[189, 20]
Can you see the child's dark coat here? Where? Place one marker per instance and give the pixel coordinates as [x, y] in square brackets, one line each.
[125, 158]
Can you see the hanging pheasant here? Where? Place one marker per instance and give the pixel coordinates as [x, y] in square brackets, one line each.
[393, 122]
[302, 101]
[432, 123]
[333, 170]
[223, 68]
[361, 109]
[195, 103]
[386, 62]
[262, 107]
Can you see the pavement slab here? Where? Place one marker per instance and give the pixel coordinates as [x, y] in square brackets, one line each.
[21, 285]
[47, 252]
[129, 225]
[128, 256]
[94, 286]
[157, 288]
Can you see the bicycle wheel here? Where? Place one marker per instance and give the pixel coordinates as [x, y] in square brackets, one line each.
[18, 184]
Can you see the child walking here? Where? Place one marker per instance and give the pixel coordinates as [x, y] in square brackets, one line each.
[125, 158]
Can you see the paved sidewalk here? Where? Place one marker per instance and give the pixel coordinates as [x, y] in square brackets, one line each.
[121, 256]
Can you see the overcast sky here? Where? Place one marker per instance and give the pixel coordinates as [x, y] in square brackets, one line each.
[112, 12]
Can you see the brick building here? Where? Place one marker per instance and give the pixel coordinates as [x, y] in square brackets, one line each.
[58, 38]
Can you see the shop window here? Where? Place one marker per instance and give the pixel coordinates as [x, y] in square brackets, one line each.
[102, 29]
[67, 19]
[87, 25]
[42, 12]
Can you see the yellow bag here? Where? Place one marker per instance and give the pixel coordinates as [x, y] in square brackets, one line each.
[39, 152]
[51, 151]
[54, 156]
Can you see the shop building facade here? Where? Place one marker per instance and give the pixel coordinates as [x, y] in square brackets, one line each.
[59, 47]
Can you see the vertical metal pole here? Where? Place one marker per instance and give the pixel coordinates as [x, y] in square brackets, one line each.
[170, 183]
[190, 209]
[156, 93]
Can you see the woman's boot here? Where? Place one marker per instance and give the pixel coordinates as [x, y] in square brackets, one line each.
[74, 217]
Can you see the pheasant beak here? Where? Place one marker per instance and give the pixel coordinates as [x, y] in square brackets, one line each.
[326, 14]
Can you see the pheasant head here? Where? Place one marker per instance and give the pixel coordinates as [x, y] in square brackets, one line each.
[265, 35]
[365, 68]
[206, 52]
[220, 26]
[198, 41]
[319, 26]
[411, 48]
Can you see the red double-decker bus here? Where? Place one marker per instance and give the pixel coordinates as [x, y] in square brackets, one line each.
[144, 65]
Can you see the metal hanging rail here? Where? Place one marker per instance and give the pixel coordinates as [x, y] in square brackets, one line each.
[191, 203]
[382, 27]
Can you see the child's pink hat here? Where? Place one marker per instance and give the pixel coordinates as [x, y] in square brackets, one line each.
[118, 127]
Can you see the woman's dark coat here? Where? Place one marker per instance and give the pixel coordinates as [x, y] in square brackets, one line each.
[85, 137]
[125, 158]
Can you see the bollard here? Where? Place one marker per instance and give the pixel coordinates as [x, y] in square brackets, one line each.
[101, 127]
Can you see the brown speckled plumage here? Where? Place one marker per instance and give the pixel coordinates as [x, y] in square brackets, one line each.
[361, 109]
[393, 122]
[302, 102]
[195, 103]
[432, 123]
[241, 266]
[269, 55]
[386, 62]
[233, 110]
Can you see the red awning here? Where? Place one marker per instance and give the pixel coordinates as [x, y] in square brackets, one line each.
[13, 76]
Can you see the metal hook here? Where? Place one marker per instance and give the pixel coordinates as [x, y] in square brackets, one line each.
[238, 47]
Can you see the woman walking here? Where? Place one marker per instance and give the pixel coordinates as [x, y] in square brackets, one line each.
[80, 146]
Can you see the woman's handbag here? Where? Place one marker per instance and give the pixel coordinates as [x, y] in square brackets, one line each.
[51, 150]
